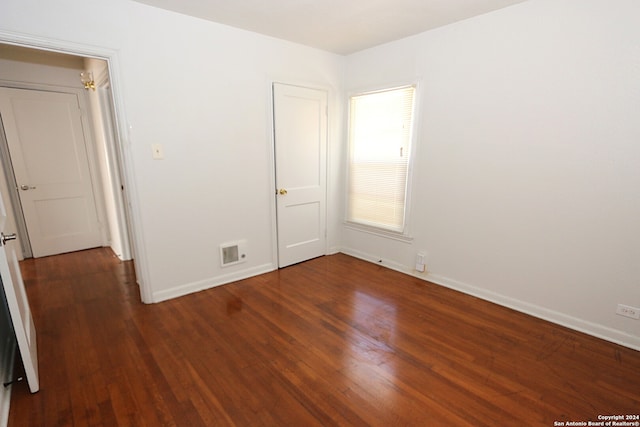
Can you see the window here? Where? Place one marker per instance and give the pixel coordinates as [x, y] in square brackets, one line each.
[380, 128]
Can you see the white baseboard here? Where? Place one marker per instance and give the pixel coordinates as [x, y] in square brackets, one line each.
[553, 316]
[376, 260]
[212, 282]
[7, 375]
[333, 250]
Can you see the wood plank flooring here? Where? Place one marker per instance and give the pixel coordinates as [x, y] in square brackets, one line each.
[332, 341]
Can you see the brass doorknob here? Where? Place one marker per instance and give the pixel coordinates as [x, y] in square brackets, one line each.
[282, 192]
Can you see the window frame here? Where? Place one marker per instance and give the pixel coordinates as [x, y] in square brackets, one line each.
[404, 234]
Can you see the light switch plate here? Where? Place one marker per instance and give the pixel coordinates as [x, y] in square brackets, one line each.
[158, 151]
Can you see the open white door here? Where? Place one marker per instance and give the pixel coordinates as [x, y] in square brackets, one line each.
[18, 305]
[49, 157]
[300, 126]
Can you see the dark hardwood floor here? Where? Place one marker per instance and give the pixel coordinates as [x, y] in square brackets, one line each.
[332, 341]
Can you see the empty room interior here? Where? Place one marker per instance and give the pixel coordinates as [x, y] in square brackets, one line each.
[410, 212]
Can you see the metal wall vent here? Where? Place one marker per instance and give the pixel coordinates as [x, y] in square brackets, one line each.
[232, 253]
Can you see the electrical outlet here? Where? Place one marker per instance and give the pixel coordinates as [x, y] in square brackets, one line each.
[627, 311]
[421, 260]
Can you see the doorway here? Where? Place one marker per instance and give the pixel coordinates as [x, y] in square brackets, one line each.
[55, 76]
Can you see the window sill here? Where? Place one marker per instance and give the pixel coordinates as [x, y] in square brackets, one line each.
[379, 232]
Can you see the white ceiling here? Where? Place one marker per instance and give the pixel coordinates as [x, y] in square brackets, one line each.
[340, 26]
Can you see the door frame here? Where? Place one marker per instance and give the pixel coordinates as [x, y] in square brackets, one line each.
[122, 146]
[108, 111]
[272, 162]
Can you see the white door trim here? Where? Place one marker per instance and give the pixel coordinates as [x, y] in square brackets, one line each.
[122, 136]
[273, 209]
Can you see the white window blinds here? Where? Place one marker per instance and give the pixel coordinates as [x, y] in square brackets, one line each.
[380, 126]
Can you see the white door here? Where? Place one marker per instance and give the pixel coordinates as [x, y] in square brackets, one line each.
[300, 126]
[47, 146]
[18, 305]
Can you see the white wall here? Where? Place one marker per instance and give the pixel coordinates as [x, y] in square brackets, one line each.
[103, 135]
[32, 66]
[202, 91]
[527, 175]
